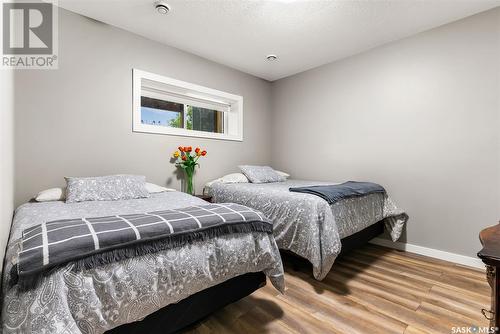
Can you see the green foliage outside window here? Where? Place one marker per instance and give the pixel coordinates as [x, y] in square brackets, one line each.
[177, 122]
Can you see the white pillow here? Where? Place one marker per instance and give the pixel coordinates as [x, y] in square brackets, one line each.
[285, 175]
[154, 188]
[52, 194]
[229, 178]
[234, 178]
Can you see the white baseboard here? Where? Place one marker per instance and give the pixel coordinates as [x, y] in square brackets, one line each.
[435, 253]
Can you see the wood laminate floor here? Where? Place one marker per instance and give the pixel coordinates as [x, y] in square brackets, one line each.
[370, 290]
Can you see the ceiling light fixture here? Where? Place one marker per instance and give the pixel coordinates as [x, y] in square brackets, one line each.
[272, 57]
[162, 7]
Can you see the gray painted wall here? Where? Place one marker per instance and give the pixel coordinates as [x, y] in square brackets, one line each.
[77, 120]
[421, 116]
[7, 157]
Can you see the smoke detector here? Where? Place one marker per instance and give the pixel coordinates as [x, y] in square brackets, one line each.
[272, 57]
[162, 7]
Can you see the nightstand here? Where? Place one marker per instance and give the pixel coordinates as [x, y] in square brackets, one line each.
[207, 198]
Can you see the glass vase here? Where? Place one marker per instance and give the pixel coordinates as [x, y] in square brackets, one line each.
[189, 182]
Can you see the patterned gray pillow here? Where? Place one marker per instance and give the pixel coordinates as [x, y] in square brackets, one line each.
[105, 188]
[261, 174]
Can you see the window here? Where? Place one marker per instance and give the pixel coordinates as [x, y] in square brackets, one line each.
[167, 106]
[177, 115]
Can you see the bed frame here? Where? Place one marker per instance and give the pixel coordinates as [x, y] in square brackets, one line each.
[175, 317]
[360, 238]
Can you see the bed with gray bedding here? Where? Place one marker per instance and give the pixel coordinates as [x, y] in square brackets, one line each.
[67, 300]
[306, 224]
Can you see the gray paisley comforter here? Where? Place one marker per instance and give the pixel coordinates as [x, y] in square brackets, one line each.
[306, 224]
[95, 300]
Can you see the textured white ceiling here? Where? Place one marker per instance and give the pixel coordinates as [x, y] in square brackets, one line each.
[304, 34]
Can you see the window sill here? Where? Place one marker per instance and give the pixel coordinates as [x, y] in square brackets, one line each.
[144, 128]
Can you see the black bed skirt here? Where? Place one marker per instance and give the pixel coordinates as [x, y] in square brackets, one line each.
[360, 238]
[175, 317]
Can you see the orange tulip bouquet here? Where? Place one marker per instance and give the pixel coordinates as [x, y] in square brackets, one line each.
[188, 162]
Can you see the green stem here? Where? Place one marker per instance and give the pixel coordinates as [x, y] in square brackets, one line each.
[189, 170]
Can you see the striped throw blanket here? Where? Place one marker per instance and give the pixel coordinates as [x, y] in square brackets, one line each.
[94, 241]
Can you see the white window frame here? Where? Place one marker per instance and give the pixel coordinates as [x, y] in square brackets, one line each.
[233, 118]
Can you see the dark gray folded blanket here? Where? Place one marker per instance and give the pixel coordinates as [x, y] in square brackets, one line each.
[90, 242]
[337, 192]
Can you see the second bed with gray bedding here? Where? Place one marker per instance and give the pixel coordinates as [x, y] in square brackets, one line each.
[306, 224]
